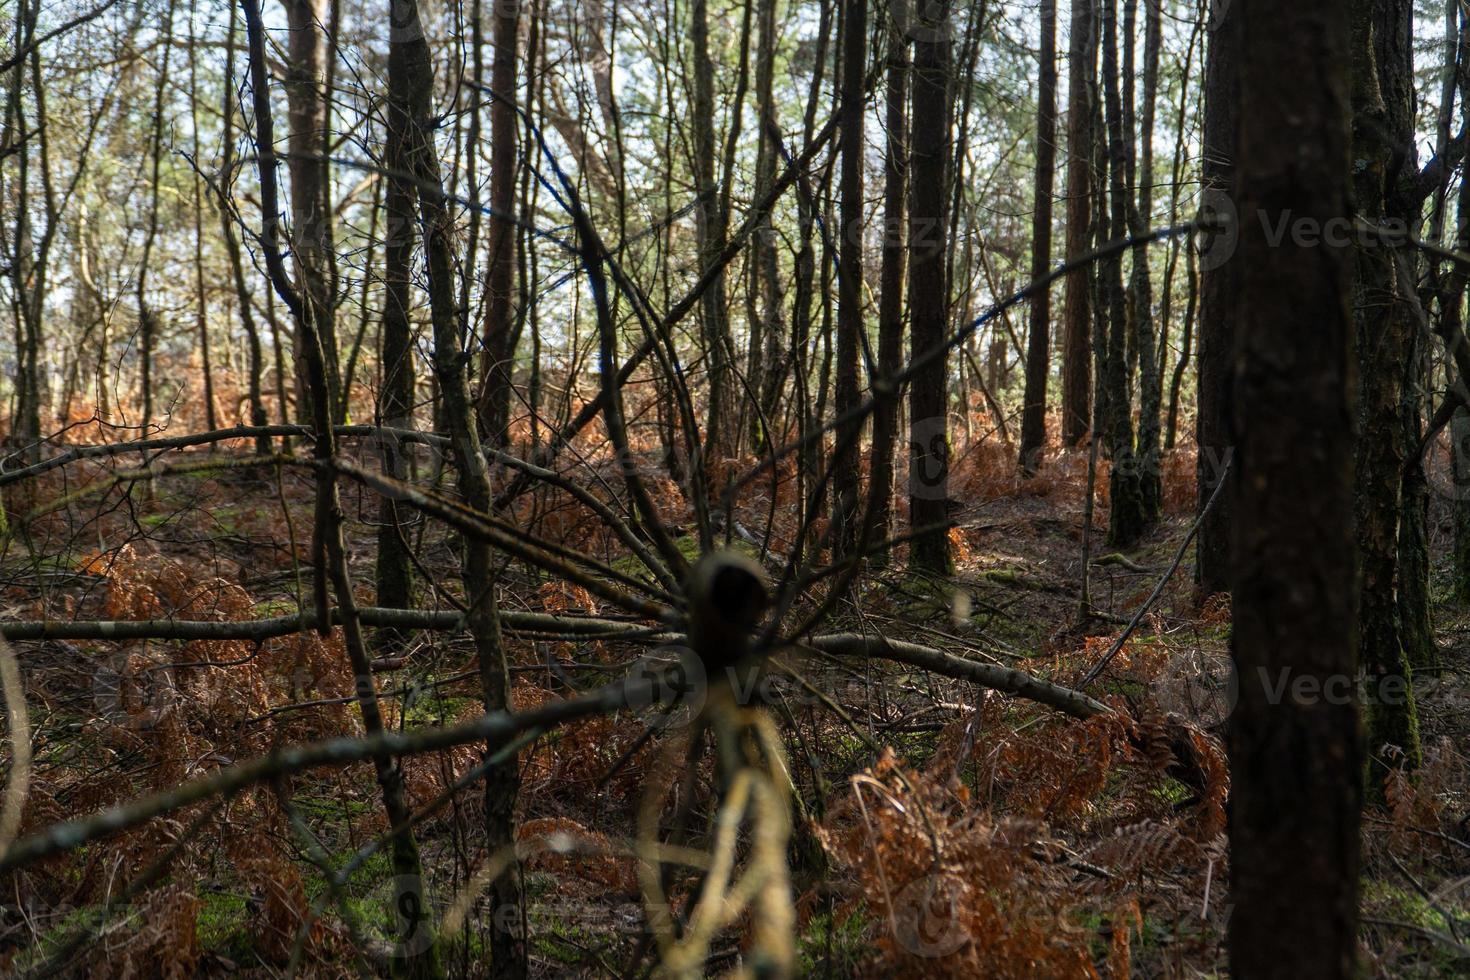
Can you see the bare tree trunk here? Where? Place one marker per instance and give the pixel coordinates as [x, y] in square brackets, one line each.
[928, 291]
[719, 425]
[147, 319]
[498, 361]
[1127, 517]
[256, 368]
[1140, 209]
[1383, 144]
[1038, 346]
[311, 210]
[768, 330]
[1077, 342]
[1295, 769]
[201, 295]
[394, 564]
[850, 326]
[1219, 293]
[329, 544]
[891, 275]
[411, 83]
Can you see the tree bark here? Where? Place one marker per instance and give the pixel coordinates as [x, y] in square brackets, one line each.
[1382, 144]
[1038, 349]
[1127, 517]
[1219, 293]
[848, 394]
[411, 84]
[1294, 760]
[1077, 342]
[498, 361]
[928, 290]
[311, 209]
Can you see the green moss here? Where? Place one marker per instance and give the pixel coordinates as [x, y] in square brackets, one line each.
[224, 923]
[834, 949]
[432, 708]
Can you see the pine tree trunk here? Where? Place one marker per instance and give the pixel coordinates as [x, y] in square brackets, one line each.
[892, 265]
[1294, 760]
[848, 394]
[1038, 348]
[929, 292]
[1383, 132]
[1219, 294]
[1077, 342]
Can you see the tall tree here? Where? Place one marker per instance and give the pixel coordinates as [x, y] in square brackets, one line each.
[929, 290]
[849, 276]
[148, 318]
[499, 330]
[1219, 293]
[1295, 786]
[1128, 517]
[256, 359]
[1077, 339]
[1383, 143]
[311, 208]
[892, 263]
[1038, 348]
[1140, 288]
[720, 426]
[411, 89]
[329, 544]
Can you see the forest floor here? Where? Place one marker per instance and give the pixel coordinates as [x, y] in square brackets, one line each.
[939, 830]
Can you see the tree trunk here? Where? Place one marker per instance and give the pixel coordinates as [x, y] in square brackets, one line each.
[1077, 343]
[1127, 517]
[256, 367]
[928, 292]
[411, 83]
[420, 958]
[891, 277]
[1383, 134]
[1038, 350]
[311, 209]
[720, 426]
[498, 361]
[849, 278]
[1219, 294]
[148, 319]
[1294, 760]
[1150, 387]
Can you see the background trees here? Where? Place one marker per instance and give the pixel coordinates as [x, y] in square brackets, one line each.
[452, 365]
